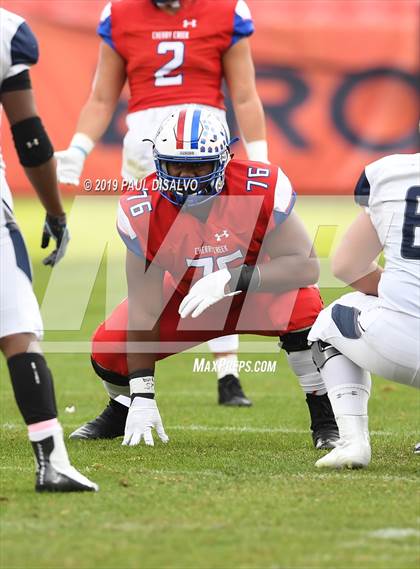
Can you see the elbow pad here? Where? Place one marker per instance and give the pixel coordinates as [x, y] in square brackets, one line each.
[32, 144]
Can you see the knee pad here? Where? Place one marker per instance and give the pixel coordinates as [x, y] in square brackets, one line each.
[302, 363]
[309, 377]
[300, 360]
[32, 143]
[322, 352]
[346, 320]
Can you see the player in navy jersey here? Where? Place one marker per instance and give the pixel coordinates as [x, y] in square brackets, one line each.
[377, 328]
[20, 320]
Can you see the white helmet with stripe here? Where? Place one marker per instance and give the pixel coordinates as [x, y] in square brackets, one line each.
[191, 135]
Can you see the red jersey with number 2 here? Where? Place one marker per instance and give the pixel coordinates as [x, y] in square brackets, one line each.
[174, 58]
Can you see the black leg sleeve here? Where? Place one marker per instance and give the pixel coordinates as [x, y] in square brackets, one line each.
[33, 387]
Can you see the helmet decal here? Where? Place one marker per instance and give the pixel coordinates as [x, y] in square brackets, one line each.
[188, 130]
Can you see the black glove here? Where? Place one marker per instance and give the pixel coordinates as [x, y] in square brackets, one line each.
[55, 226]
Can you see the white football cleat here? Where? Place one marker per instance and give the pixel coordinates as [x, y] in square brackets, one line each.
[54, 472]
[353, 448]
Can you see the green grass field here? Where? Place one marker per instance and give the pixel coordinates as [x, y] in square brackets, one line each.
[234, 488]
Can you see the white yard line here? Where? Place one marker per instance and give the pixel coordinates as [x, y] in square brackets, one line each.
[239, 429]
[227, 429]
[394, 533]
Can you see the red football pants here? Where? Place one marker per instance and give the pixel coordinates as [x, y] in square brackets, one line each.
[255, 313]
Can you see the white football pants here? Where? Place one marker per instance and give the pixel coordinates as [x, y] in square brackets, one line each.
[390, 342]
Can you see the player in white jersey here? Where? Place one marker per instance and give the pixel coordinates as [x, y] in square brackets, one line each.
[20, 320]
[378, 328]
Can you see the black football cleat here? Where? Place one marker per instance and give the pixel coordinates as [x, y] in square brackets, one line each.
[325, 439]
[417, 449]
[323, 426]
[231, 393]
[54, 472]
[108, 425]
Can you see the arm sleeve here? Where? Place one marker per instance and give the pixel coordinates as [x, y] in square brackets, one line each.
[104, 29]
[284, 198]
[19, 82]
[23, 50]
[127, 233]
[243, 26]
[362, 190]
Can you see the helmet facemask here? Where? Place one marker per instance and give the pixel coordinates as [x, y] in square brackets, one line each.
[173, 4]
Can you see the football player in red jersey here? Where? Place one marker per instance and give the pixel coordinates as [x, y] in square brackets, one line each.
[171, 53]
[196, 266]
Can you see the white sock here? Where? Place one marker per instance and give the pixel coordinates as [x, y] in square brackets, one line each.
[348, 386]
[40, 431]
[309, 377]
[114, 391]
[226, 365]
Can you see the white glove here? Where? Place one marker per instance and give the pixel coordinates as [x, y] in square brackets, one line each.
[143, 416]
[70, 162]
[206, 292]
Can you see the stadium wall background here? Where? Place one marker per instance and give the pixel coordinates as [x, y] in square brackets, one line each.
[339, 80]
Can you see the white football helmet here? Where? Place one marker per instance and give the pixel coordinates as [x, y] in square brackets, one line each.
[191, 135]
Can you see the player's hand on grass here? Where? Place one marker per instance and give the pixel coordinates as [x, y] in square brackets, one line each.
[70, 164]
[206, 292]
[143, 416]
[55, 227]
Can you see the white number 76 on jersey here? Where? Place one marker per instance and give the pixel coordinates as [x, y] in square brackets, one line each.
[207, 263]
[162, 78]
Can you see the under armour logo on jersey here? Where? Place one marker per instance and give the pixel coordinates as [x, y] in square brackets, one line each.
[188, 23]
[220, 235]
[35, 142]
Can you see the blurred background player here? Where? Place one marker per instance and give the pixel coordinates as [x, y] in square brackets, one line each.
[20, 320]
[255, 203]
[378, 328]
[171, 52]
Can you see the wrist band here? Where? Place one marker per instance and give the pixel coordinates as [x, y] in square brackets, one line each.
[142, 383]
[257, 150]
[249, 278]
[83, 143]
